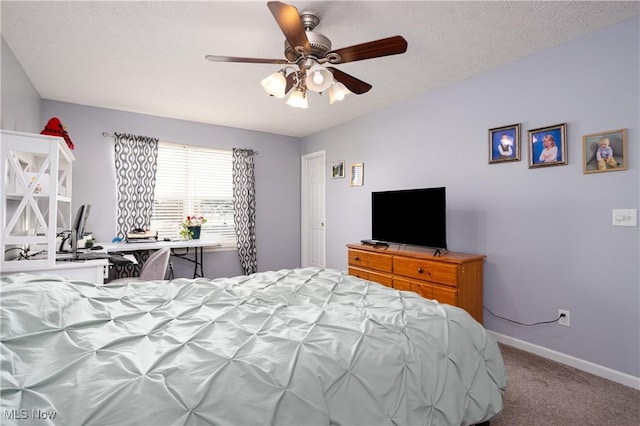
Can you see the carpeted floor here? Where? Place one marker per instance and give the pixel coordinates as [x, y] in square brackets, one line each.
[544, 392]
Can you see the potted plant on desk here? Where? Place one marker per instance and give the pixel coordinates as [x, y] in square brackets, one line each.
[191, 226]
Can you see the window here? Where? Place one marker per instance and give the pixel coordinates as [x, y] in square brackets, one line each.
[194, 181]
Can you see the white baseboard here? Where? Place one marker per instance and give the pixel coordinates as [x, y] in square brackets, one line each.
[580, 364]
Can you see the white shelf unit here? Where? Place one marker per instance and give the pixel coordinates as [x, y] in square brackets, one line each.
[36, 198]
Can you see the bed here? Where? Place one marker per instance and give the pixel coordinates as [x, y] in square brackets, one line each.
[301, 347]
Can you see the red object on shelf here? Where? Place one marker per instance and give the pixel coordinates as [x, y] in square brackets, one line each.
[54, 127]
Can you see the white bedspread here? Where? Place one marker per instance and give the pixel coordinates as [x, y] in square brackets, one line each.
[301, 347]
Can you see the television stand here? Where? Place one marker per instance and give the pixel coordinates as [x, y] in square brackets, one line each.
[450, 277]
[440, 252]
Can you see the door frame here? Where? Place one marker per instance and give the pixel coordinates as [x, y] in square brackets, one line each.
[305, 215]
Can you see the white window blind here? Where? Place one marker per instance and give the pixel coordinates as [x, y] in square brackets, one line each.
[194, 181]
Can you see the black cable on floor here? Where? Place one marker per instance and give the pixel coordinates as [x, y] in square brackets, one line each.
[521, 323]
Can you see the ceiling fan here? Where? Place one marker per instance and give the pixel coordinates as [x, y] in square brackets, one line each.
[307, 51]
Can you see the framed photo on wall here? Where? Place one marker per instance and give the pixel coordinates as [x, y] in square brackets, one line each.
[357, 174]
[548, 146]
[504, 144]
[605, 151]
[337, 169]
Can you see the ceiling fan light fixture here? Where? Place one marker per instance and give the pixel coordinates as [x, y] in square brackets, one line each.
[307, 51]
[298, 99]
[337, 92]
[275, 84]
[318, 78]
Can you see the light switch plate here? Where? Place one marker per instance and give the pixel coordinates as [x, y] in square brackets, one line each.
[625, 217]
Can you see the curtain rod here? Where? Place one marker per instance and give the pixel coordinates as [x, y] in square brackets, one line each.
[108, 135]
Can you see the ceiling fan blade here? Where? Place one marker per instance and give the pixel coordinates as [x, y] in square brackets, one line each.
[373, 49]
[288, 20]
[353, 84]
[214, 58]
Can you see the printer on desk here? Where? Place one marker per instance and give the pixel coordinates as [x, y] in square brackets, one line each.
[139, 235]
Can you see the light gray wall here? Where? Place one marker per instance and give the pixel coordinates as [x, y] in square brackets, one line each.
[547, 232]
[20, 101]
[277, 177]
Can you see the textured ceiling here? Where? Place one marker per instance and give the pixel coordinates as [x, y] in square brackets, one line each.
[148, 57]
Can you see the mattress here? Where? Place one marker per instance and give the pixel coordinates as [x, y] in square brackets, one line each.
[302, 347]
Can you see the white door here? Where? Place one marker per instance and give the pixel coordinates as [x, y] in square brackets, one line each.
[313, 210]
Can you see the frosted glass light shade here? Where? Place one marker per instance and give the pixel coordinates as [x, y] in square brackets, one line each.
[298, 99]
[275, 84]
[337, 92]
[318, 78]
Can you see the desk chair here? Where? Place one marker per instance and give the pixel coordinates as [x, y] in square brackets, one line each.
[155, 268]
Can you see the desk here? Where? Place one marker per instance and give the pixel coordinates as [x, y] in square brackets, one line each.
[92, 271]
[197, 246]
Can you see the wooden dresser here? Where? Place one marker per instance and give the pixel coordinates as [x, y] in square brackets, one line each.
[455, 278]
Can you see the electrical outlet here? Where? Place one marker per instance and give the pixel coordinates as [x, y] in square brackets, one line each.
[565, 318]
[625, 217]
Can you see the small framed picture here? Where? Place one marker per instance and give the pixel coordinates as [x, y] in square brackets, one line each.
[548, 146]
[605, 151]
[504, 144]
[337, 169]
[357, 174]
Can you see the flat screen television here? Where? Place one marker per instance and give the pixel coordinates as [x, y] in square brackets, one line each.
[412, 216]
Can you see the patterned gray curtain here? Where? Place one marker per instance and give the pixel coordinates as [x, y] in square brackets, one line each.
[136, 160]
[244, 208]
